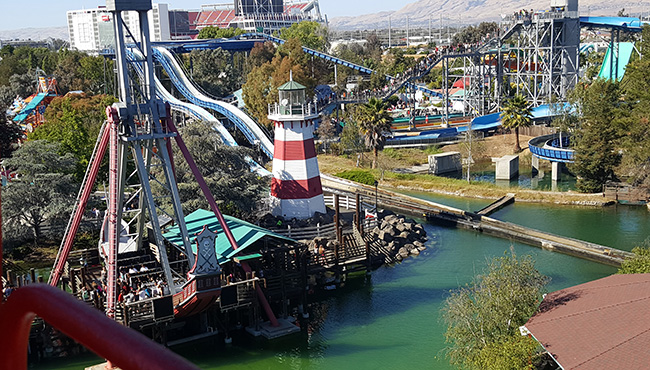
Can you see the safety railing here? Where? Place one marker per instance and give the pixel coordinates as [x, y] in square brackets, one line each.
[121, 346]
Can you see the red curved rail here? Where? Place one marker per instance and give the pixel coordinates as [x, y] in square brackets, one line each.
[123, 347]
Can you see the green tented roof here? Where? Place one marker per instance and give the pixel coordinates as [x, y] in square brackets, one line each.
[248, 257]
[244, 232]
[291, 85]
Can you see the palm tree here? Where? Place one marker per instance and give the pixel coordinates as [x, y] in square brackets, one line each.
[374, 120]
[516, 113]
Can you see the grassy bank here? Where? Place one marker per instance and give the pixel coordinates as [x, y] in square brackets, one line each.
[403, 158]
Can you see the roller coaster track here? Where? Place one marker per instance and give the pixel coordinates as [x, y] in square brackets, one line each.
[354, 66]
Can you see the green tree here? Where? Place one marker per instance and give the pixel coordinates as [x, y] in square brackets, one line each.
[516, 113]
[211, 32]
[262, 82]
[225, 169]
[74, 122]
[637, 264]
[43, 191]
[311, 34]
[483, 318]
[326, 130]
[351, 138]
[596, 138]
[214, 71]
[76, 70]
[635, 163]
[374, 121]
[9, 134]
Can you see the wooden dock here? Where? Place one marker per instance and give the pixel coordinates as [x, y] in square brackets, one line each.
[497, 205]
[445, 215]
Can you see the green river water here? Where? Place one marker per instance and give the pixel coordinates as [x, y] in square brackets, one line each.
[391, 319]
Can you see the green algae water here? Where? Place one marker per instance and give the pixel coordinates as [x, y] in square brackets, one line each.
[391, 319]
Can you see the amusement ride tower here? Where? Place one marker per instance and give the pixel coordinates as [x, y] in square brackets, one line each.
[296, 189]
[139, 129]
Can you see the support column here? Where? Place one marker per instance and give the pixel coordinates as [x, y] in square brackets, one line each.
[535, 165]
[556, 170]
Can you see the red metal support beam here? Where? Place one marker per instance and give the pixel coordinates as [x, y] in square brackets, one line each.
[215, 208]
[123, 347]
[1, 295]
[79, 211]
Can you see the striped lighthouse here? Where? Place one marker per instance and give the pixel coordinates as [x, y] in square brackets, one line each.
[296, 189]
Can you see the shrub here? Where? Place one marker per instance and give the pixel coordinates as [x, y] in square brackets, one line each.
[361, 176]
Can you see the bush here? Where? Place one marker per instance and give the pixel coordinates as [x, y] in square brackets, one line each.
[433, 149]
[392, 153]
[361, 176]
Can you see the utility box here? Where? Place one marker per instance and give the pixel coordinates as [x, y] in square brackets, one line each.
[445, 163]
[123, 5]
[507, 167]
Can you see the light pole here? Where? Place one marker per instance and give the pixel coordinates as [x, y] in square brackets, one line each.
[376, 209]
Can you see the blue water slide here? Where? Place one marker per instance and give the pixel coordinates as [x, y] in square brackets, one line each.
[615, 61]
[548, 147]
[178, 105]
[194, 111]
[29, 108]
[251, 130]
[621, 23]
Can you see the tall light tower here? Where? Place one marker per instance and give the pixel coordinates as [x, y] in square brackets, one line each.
[296, 189]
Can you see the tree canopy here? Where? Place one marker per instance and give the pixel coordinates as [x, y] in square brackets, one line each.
[43, 191]
[74, 122]
[225, 169]
[211, 32]
[214, 71]
[310, 34]
[262, 83]
[639, 263]
[596, 138]
[483, 318]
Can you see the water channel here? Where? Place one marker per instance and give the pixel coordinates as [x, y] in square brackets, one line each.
[391, 319]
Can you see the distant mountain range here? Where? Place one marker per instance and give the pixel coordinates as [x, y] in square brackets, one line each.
[467, 12]
[35, 34]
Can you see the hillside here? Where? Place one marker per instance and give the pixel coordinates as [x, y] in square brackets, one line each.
[456, 12]
[35, 34]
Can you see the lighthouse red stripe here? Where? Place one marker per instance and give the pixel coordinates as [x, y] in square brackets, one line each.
[296, 189]
[294, 150]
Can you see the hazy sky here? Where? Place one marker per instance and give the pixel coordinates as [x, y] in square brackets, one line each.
[16, 14]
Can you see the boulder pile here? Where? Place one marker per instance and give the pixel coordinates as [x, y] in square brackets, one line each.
[400, 237]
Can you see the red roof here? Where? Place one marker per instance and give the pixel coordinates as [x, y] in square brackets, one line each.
[461, 82]
[603, 324]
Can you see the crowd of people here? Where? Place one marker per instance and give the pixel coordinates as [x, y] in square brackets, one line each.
[134, 283]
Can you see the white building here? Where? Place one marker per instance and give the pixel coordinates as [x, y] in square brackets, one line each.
[92, 29]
